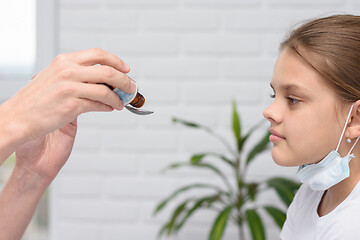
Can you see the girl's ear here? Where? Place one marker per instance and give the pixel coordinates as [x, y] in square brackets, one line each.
[353, 130]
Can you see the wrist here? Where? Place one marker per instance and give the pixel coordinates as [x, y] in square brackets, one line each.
[29, 182]
[12, 132]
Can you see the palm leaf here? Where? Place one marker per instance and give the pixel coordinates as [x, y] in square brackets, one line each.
[207, 129]
[219, 225]
[259, 147]
[200, 165]
[178, 210]
[163, 203]
[196, 158]
[198, 204]
[163, 230]
[236, 125]
[186, 123]
[206, 166]
[277, 215]
[291, 184]
[252, 189]
[285, 189]
[255, 224]
[249, 133]
[191, 124]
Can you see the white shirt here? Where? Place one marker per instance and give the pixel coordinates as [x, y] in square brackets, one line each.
[303, 222]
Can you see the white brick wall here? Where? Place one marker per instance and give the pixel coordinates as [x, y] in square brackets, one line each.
[190, 59]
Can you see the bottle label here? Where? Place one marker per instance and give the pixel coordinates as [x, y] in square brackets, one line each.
[126, 97]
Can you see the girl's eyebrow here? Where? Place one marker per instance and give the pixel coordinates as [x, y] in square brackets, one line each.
[290, 87]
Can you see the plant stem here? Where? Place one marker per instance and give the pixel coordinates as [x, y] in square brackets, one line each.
[239, 178]
[238, 174]
[241, 232]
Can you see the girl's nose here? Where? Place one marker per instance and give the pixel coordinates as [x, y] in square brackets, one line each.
[272, 115]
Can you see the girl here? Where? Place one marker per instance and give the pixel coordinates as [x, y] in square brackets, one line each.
[315, 124]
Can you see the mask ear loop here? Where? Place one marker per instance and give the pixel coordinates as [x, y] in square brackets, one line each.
[343, 131]
[357, 139]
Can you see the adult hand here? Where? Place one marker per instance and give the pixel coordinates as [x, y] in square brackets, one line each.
[67, 88]
[43, 114]
[39, 122]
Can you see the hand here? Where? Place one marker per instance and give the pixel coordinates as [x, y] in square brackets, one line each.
[43, 114]
[67, 88]
[39, 122]
[44, 156]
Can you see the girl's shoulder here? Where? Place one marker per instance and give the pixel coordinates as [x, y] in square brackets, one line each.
[350, 207]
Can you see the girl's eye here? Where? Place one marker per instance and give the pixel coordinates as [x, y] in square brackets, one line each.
[292, 100]
[272, 95]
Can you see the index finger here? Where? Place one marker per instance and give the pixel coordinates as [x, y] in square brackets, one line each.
[95, 56]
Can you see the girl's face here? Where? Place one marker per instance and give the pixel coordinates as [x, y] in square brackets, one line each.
[305, 122]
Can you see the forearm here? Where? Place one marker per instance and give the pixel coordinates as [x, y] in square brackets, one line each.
[11, 134]
[18, 201]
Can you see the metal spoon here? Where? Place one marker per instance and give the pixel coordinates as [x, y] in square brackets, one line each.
[138, 111]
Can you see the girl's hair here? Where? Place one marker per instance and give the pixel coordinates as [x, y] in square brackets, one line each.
[331, 45]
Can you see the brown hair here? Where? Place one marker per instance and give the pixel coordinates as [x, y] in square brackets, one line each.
[331, 45]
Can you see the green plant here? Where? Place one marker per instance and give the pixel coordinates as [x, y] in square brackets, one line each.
[233, 202]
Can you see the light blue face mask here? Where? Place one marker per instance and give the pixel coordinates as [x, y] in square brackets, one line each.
[329, 171]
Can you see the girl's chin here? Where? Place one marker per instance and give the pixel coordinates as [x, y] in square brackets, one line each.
[282, 160]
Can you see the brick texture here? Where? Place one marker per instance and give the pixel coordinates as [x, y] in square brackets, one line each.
[191, 58]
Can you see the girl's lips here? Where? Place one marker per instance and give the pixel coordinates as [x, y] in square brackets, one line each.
[275, 137]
